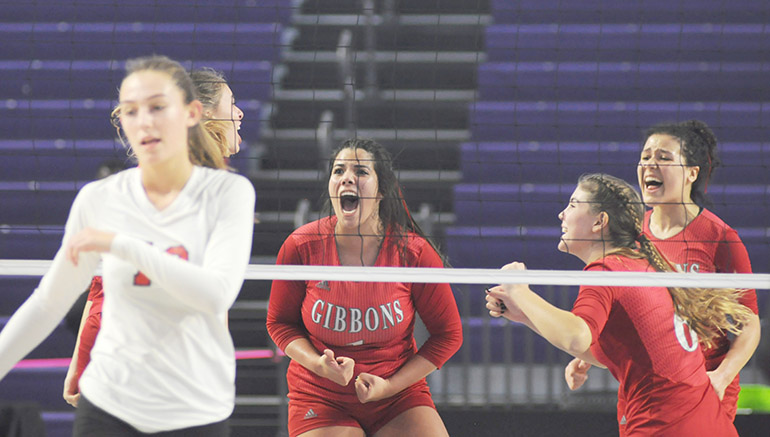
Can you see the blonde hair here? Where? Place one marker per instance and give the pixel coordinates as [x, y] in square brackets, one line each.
[707, 311]
[203, 150]
[219, 130]
[209, 84]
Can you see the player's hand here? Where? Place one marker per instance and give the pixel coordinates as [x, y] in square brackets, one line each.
[718, 382]
[576, 373]
[337, 369]
[88, 240]
[370, 388]
[501, 303]
[71, 394]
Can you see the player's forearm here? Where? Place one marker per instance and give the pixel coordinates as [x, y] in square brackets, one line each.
[415, 369]
[741, 350]
[304, 353]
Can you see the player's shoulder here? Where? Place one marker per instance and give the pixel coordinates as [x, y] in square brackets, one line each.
[709, 223]
[416, 243]
[618, 263]
[709, 217]
[223, 186]
[222, 179]
[102, 188]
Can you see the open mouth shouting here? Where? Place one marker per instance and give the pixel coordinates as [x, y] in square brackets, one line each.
[349, 202]
[652, 184]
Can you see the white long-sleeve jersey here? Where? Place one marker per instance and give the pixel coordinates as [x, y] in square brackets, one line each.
[164, 358]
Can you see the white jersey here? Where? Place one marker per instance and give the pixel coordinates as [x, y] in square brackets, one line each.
[164, 358]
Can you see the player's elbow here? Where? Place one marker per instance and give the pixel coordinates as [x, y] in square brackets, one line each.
[579, 339]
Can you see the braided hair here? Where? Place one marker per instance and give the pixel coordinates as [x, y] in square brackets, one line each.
[699, 148]
[707, 311]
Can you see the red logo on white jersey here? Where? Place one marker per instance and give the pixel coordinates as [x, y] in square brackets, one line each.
[141, 280]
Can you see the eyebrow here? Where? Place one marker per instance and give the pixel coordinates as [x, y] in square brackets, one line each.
[148, 98]
[341, 164]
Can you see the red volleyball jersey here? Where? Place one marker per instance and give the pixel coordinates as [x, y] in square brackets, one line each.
[370, 322]
[708, 245]
[91, 326]
[651, 352]
[96, 295]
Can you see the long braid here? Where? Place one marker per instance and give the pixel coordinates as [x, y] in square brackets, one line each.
[707, 311]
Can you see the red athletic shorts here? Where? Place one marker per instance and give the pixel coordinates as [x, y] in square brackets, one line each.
[307, 412]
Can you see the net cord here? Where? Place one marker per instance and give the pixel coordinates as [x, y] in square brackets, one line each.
[758, 281]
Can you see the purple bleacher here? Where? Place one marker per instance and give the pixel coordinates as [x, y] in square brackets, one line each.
[518, 345]
[101, 79]
[539, 203]
[59, 344]
[610, 121]
[535, 161]
[30, 242]
[83, 119]
[627, 11]
[41, 385]
[248, 11]
[757, 241]
[58, 160]
[200, 41]
[680, 81]
[493, 247]
[14, 290]
[741, 206]
[510, 204]
[627, 42]
[43, 203]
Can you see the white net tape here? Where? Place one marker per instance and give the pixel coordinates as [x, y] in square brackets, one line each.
[463, 276]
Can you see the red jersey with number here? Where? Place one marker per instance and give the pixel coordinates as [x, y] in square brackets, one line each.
[709, 245]
[370, 322]
[653, 355]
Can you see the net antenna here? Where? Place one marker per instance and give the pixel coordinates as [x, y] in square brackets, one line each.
[347, 74]
[370, 41]
[325, 138]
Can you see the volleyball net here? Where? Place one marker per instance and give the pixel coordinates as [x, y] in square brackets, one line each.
[499, 362]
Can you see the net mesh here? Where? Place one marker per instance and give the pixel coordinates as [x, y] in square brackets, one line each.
[490, 108]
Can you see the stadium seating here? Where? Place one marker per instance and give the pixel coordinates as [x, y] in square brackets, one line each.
[622, 81]
[569, 88]
[602, 121]
[199, 41]
[528, 203]
[626, 11]
[72, 79]
[215, 11]
[631, 42]
[564, 162]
